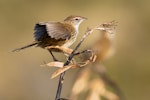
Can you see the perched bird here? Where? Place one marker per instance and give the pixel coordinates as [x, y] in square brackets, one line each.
[56, 33]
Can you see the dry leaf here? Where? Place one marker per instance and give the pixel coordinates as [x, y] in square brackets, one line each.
[91, 59]
[80, 84]
[61, 70]
[96, 88]
[110, 95]
[54, 64]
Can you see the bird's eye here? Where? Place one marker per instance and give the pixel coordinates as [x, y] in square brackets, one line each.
[76, 19]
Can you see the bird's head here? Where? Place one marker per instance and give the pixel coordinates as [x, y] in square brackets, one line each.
[75, 20]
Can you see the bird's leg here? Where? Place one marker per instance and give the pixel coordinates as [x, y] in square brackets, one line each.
[52, 55]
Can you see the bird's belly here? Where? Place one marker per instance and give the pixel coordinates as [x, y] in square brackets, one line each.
[51, 42]
[57, 42]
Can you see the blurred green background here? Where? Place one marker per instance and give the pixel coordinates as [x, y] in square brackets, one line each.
[22, 78]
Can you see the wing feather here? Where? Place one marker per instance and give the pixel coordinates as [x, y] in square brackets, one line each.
[54, 30]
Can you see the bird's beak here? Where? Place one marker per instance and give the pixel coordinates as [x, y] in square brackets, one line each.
[84, 18]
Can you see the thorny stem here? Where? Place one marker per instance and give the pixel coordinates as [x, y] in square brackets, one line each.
[61, 78]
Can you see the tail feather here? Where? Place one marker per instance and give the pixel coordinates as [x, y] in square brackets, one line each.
[24, 47]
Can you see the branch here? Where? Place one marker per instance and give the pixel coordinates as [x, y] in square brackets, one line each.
[73, 53]
[61, 79]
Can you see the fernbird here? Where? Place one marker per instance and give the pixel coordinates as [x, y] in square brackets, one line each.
[56, 33]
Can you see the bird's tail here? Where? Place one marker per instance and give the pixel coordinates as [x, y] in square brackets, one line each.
[24, 47]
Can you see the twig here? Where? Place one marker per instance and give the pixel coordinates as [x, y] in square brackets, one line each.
[61, 79]
[87, 33]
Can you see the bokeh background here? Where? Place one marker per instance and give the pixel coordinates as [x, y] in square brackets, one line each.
[22, 78]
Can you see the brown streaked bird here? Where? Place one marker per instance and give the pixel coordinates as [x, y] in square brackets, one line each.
[56, 33]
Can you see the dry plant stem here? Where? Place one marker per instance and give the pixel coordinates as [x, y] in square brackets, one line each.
[109, 81]
[61, 79]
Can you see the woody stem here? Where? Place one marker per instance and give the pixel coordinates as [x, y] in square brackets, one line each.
[61, 78]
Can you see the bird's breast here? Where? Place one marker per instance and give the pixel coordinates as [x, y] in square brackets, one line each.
[72, 39]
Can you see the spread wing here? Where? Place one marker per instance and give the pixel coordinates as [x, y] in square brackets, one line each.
[53, 30]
